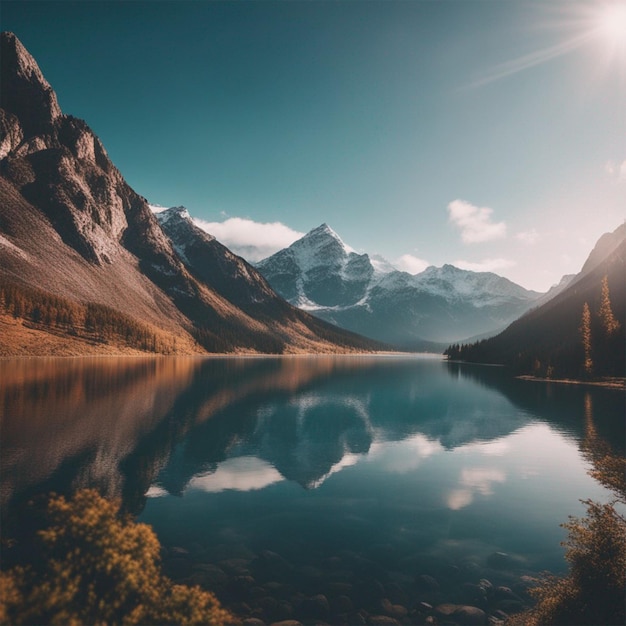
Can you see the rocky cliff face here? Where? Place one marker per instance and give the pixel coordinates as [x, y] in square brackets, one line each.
[214, 264]
[71, 225]
[319, 271]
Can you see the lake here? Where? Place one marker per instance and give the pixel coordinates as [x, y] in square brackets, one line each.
[325, 487]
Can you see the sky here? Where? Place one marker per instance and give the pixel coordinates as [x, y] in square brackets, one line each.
[487, 134]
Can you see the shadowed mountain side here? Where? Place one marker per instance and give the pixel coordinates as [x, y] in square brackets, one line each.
[71, 226]
[548, 341]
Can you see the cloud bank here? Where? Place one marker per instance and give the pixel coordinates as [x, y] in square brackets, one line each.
[411, 264]
[475, 222]
[251, 240]
[486, 265]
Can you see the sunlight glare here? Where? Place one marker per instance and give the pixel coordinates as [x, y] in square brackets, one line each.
[612, 24]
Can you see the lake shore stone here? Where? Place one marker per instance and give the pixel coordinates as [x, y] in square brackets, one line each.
[341, 604]
[397, 611]
[469, 616]
[316, 606]
[382, 620]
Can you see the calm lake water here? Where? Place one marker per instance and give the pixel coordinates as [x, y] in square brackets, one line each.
[269, 479]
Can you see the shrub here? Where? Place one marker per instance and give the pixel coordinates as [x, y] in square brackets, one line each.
[92, 566]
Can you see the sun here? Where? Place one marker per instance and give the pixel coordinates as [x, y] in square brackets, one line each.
[611, 23]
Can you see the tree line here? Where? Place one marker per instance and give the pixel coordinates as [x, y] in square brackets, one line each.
[92, 321]
[592, 344]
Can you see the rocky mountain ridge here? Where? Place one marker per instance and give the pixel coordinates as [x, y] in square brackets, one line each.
[70, 225]
[321, 274]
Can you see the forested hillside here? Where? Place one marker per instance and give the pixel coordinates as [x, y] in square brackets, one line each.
[579, 334]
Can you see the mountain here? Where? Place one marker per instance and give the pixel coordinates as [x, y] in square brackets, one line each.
[555, 339]
[321, 274]
[85, 266]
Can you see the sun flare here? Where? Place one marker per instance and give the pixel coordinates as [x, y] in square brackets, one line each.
[612, 24]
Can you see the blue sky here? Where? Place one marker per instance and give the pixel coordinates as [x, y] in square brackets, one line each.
[487, 134]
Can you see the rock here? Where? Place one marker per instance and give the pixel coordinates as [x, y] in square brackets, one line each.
[427, 583]
[253, 621]
[469, 616]
[209, 575]
[341, 604]
[474, 595]
[501, 615]
[357, 619]
[502, 561]
[382, 620]
[339, 589]
[505, 593]
[510, 606]
[316, 606]
[397, 611]
[470, 570]
[270, 565]
[396, 594]
[241, 586]
[235, 567]
[274, 610]
[446, 610]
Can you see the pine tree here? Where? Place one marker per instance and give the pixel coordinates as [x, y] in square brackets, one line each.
[585, 331]
[609, 324]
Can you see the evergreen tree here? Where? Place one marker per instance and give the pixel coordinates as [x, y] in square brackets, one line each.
[585, 331]
[609, 324]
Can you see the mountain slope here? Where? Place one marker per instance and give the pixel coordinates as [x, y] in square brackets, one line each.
[70, 225]
[323, 275]
[548, 340]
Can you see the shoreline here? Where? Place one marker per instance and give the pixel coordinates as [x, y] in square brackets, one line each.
[612, 383]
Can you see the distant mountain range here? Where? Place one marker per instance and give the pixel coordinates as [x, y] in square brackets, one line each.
[579, 333]
[323, 275]
[85, 266]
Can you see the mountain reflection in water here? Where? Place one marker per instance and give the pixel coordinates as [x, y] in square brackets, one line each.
[124, 424]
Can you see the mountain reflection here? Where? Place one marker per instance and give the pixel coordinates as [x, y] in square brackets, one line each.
[132, 426]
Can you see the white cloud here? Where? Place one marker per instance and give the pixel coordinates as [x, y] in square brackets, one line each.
[404, 456]
[157, 208]
[251, 240]
[472, 481]
[529, 237]
[245, 473]
[475, 222]
[411, 264]
[486, 265]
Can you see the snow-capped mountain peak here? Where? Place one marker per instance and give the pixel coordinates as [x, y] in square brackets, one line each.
[176, 212]
[366, 294]
[381, 265]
